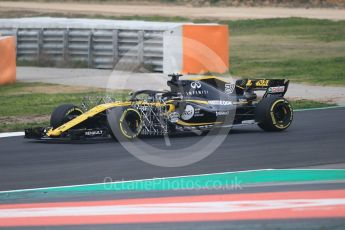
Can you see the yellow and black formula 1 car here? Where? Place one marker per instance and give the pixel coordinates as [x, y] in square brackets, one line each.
[197, 104]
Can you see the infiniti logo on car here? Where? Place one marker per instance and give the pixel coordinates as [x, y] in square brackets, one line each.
[195, 85]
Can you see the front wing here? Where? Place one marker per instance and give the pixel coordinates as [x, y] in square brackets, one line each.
[40, 133]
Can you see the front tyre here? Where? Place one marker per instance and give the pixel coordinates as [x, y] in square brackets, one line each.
[131, 123]
[125, 123]
[274, 114]
[63, 114]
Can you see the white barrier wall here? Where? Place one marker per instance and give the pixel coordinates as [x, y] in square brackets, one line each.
[98, 43]
[173, 50]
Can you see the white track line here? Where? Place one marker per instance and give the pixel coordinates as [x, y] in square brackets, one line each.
[12, 134]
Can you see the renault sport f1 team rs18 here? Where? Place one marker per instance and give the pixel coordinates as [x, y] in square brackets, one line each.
[198, 104]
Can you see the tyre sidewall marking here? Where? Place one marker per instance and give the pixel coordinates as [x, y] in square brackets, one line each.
[73, 110]
[273, 118]
[123, 117]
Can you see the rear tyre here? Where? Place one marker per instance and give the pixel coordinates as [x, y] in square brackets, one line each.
[63, 114]
[274, 114]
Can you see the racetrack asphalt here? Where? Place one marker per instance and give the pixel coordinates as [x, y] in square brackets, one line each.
[316, 138]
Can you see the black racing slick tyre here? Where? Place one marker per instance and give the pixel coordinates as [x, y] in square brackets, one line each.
[63, 114]
[274, 114]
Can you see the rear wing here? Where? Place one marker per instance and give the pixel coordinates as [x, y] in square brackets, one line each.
[277, 87]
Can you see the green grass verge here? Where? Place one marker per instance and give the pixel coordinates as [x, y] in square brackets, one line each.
[37, 103]
[302, 50]
[304, 28]
[26, 105]
[21, 126]
[308, 104]
[21, 99]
